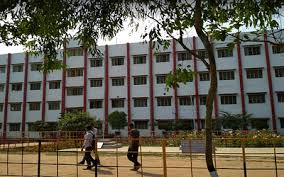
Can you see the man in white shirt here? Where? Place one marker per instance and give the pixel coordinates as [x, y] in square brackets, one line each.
[87, 145]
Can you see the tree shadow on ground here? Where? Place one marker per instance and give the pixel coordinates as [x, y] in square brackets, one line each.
[149, 174]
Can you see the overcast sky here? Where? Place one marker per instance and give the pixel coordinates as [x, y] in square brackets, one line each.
[126, 35]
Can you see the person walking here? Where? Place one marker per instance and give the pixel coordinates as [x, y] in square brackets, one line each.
[132, 153]
[87, 145]
[94, 133]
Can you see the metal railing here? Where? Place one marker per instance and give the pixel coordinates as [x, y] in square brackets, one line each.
[161, 156]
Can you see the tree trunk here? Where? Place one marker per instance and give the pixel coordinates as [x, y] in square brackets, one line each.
[198, 24]
[208, 121]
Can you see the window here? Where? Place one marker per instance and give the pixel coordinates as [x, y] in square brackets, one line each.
[1, 107]
[161, 79]
[73, 91]
[254, 73]
[96, 62]
[15, 106]
[35, 85]
[0, 126]
[182, 56]
[117, 61]
[277, 49]
[281, 119]
[18, 68]
[75, 72]
[74, 110]
[256, 98]
[204, 76]
[14, 127]
[117, 103]
[279, 71]
[259, 124]
[36, 66]
[2, 68]
[165, 124]
[162, 57]
[140, 102]
[252, 50]
[77, 51]
[96, 82]
[225, 52]
[280, 97]
[186, 100]
[140, 80]
[95, 104]
[202, 53]
[141, 124]
[202, 99]
[17, 87]
[2, 87]
[54, 85]
[226, 75]
[34, 106]
[118, 81]
[164, 101]
[139, 59]
[228, 99]
[54, 105]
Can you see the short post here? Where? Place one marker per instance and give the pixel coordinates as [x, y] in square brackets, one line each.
[141, 161]
[244, 159]
[38, 162]
[275, 158]
[190, 155]
[116, 152]
[164, 143]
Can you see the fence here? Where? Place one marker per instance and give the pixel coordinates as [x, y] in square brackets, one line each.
[159, 157]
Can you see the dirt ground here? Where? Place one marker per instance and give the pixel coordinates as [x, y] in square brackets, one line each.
[177, 166]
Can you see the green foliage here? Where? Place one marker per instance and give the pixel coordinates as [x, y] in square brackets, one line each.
[234, 121]
[117, 120]
[75, 121]
[43, 126]
[182, 75]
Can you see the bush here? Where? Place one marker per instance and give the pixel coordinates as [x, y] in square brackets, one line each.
[117, 120]
[75, 121]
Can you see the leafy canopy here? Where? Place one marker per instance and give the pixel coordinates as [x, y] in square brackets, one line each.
[75, 121]
[117, 120]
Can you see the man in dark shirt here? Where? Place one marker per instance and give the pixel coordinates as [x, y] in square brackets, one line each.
[132, 154]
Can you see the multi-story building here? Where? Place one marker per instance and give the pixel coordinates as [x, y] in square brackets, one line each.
[131, 78]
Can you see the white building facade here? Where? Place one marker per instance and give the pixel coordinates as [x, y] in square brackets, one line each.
[131, 78]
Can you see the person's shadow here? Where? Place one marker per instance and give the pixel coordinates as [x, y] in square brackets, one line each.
[150, 174]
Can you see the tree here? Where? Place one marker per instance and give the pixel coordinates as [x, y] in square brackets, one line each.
[75, 121]
[235, 121]
[212, 20]
[43, 126]
[117, 120]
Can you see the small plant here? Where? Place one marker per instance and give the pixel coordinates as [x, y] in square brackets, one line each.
[117, 120]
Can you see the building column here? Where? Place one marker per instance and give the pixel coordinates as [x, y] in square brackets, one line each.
[128, 85]
[106, 90]
[43, 103]
[151, 89]
[241, 79]
[270, 84]
[196, 85]
[85, 51]
[24, 109]
[63, 88]
[6, 102]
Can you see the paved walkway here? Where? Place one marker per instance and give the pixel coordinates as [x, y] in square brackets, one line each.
[220, 151]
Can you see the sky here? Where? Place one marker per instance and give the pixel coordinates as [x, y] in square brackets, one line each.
[127, 35]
